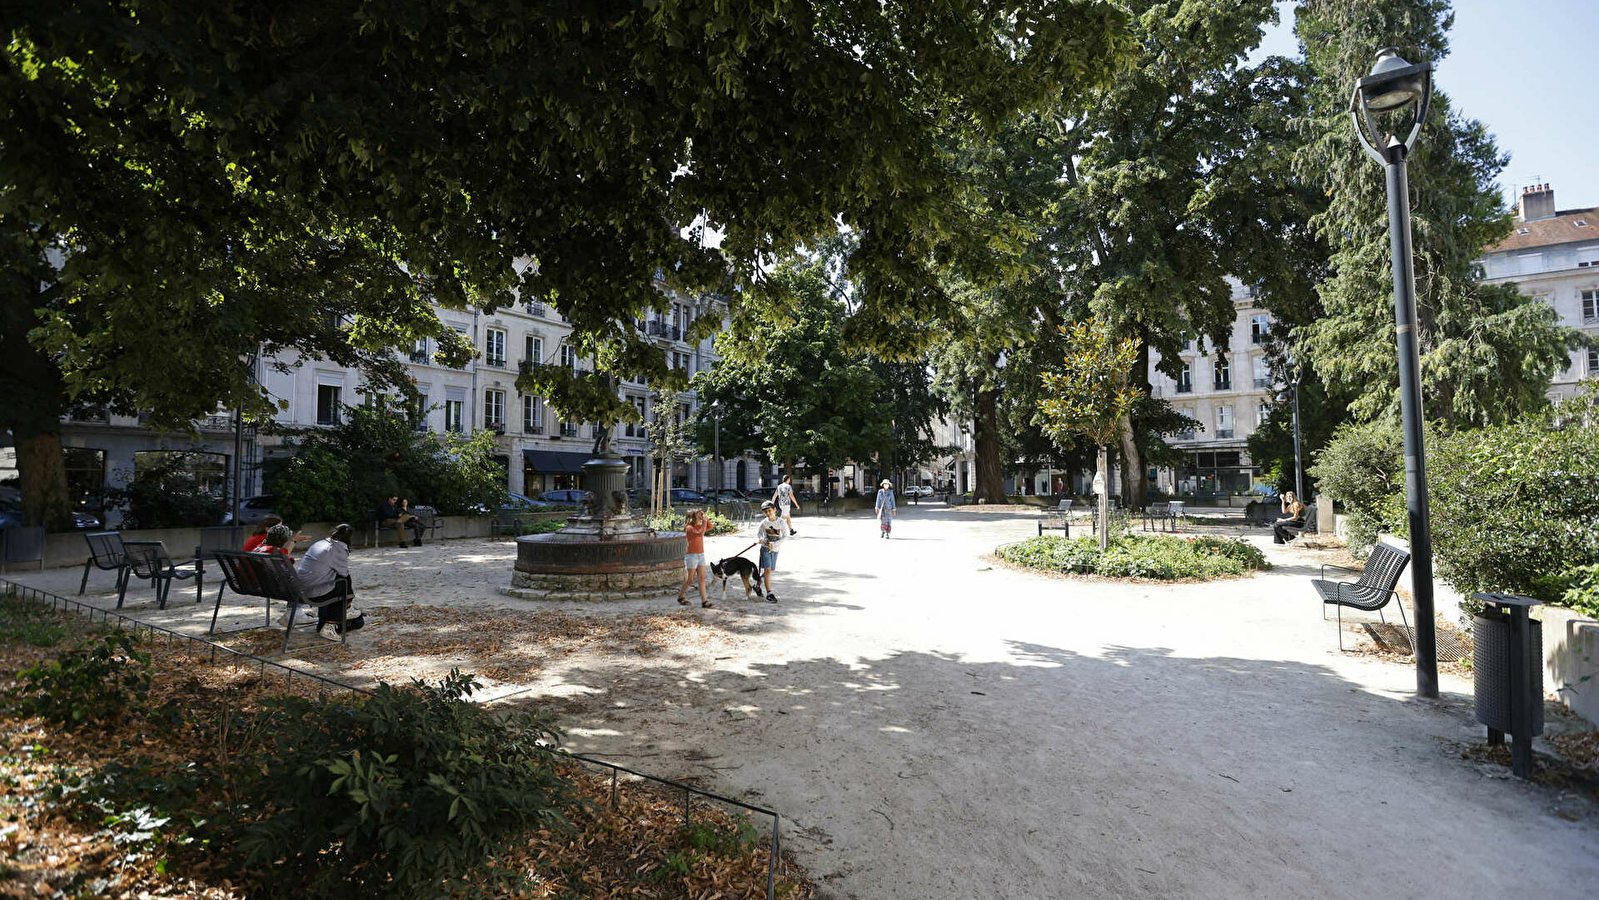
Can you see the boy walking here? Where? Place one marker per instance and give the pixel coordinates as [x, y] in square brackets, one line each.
[784, 498]
[772, 533]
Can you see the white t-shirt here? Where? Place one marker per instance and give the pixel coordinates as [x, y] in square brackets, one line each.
[785, 494]
[773, 532]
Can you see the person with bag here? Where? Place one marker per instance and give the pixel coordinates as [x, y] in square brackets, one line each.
[885, 508]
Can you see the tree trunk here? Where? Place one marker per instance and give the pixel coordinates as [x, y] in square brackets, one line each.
[42, 469]
[985, 426]
[1104, 496]
[1135, 481]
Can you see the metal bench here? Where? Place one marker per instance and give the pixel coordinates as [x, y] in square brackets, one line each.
[1059, 517]
[508, 521]
[105, 553]
[1159, 516]
[1371, 591]
[429, 517]
[219, 537]
[149, 561]
[22, 543]
[270, 577]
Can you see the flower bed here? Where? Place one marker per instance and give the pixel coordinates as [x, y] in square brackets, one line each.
[1156, 557]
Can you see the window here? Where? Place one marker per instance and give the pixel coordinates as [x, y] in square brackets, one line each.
[1590, 307]
[419, 351]
[494, 409]
[1259, 327]
[452, 415]
[327, 404]
[533, 349]
[1581, 223]
[1185, 380]
[1224, 421]
[568, 429]
[1262, 413]
[1187, 434]
[532, 414]
[636, 429]
[1224, 378]
[1262, 373]
[85, 477]
[419, 411]
[461, 330]
[1593, 363]
[1188, 343]
[494, 347]
[568, 357]
[1529, 263]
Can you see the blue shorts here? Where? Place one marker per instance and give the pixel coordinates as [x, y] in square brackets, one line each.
[769, 559]
[693, 560]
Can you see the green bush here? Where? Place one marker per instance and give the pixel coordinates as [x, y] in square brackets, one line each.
[168, 494]
[339, 473]
[1513, 505]
[1576, 588]
[410, 793]
[1158, 557]
[91, 686]
[542, 526]
[1364, 469]
[673, 521]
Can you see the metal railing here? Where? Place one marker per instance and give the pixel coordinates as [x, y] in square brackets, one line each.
[59, 602]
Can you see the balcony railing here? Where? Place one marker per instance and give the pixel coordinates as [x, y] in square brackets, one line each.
[420, 357]
[494, 362]
[525, 365]
[1183, 388]
[568, 429]
[534, 309]
[1224, 433]
[1224, 384]
[1263, 382]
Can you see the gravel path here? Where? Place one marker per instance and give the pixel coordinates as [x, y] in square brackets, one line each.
[934, 725]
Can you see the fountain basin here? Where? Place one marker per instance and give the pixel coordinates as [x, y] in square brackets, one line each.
[567, 566]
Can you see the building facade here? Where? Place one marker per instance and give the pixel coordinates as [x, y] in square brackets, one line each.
[1553, 255]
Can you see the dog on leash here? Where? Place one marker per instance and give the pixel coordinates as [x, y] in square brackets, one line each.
[743, 568]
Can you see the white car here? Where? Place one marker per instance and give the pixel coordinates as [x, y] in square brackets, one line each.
[919, 490]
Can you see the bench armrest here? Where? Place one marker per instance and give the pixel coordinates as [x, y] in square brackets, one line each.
[1327, 566]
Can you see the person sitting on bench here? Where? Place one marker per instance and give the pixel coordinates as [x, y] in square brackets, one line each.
[396, 512]
[1293, 521]
[276, 540]
[324, 572]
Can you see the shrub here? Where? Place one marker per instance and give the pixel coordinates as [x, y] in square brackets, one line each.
[1577, 588]
[673, 521]
[1363, 467]
[542, 526]
[88, 687]
[1513, 505]
[168, 494]
[1139, 556]
[409, 793]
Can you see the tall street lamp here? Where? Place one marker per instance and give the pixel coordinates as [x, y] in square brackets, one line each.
[1299, 465]
[1393, 86]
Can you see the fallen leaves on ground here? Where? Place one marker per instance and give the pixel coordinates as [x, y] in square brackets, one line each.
[1580, 748]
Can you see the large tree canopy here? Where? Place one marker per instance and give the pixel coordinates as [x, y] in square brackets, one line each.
[206, 179]
[1487, 351]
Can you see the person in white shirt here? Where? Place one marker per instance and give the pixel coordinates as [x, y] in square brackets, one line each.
[786, 504]
[772, 533]
[324, 572]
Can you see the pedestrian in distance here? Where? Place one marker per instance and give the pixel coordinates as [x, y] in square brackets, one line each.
[695, 524]
[772, 533]
[1288, 527]
[885, 508]
[786, 502]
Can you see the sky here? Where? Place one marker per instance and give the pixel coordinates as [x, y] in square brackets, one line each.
[1525, 69]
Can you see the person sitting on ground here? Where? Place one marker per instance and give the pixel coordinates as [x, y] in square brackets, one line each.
[276, 541]
[258, 537]
[324, 574]
[397, 513]
[1288, 527]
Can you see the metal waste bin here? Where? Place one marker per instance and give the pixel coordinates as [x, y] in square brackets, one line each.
[1507, 674]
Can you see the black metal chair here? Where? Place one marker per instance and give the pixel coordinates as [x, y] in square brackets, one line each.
[270, 577]
[429, 517]
[1059, 517]
[106, 554]
[1371, 591]
[149, 561]
[22, 543]
[219, 537]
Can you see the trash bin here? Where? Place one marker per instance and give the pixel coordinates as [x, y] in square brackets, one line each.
[1507, 674]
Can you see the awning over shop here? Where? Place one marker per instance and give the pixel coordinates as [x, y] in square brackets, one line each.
[554, 462]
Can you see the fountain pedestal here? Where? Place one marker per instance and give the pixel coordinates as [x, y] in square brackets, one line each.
[606, 553]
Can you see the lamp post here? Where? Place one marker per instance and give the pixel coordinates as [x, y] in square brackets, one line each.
[1393, 86]
[1299, 466]
[716, 446]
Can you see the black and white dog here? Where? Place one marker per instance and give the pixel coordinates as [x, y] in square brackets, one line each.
[743, 568]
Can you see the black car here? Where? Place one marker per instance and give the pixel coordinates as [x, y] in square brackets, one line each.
[565, 496]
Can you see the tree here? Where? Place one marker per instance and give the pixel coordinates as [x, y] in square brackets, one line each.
[905, 396]
[1092, 395]
[233, 172]
[1487, 351]
[669, 445]
[788, 388]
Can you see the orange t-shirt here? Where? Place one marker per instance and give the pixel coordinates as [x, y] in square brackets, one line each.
[696, 537]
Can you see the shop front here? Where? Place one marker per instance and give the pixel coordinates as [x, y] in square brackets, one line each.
[552, 470]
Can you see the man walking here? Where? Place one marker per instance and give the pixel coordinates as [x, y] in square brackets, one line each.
[786, 504]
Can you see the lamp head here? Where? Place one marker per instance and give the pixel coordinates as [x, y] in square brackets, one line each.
[1393, 82]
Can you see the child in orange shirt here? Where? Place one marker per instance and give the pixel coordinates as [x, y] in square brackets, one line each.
[695, 524]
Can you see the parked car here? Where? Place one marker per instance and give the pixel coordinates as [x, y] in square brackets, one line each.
[253, 510]
[522, 501]
[11, 515]
[919, 490]
[684, 496]
[731, 495]
[567, 497]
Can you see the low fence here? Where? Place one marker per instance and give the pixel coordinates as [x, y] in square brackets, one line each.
[289, 673]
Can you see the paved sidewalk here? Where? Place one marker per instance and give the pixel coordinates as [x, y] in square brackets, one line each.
[935, 726]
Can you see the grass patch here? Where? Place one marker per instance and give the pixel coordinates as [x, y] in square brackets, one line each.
[1156, 557]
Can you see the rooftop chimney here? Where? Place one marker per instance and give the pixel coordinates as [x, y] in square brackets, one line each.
[1537, 202]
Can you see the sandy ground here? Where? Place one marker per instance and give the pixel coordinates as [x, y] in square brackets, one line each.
[933, 725]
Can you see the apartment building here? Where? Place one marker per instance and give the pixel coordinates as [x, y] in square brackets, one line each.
[540, 452]
[1553, 255]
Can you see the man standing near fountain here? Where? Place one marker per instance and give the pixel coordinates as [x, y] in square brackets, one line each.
[772, 533]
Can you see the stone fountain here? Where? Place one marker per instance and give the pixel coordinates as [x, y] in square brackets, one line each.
[606, 553]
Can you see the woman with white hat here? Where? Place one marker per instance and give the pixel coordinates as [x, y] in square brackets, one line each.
[885, 508]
